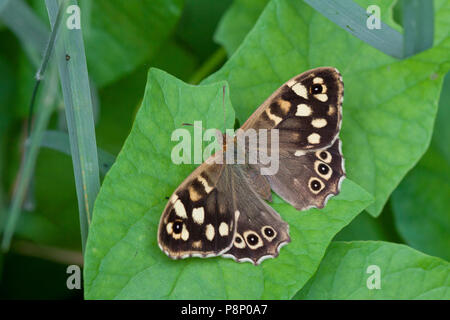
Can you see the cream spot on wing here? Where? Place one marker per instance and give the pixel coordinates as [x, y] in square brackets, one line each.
[290, 83]
[284, 105]
[273, 117]
[318, 80]
[295, 136]
[319, 123]
[331, 110]
[300, 90]
[184, 233]
[169, 228]
[322, 97]
[193, 194]
[314, 138]
[223, 229]
[210, 233]
[197, 244]
[299, 153]
[173, 198]
[203, 181]
[179, 209]
[198, 215]
[303, 110]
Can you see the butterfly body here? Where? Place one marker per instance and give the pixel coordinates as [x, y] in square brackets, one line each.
[221, 208]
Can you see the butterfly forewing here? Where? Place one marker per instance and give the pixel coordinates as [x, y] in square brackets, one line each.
[306, 110]
[199, 219]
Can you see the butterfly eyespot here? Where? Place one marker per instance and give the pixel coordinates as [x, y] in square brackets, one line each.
[316, 88]
[315, 185]
[323, 169]
[239, 242]
[269, 233]
[325, 156]
[253, 240]
[177, 227]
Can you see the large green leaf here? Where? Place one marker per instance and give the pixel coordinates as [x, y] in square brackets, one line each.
[404, 273]
[123, 259]
[389, 105]
[421, 202]
[242, 15]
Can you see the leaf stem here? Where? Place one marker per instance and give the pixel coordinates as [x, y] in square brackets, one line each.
[209, 66]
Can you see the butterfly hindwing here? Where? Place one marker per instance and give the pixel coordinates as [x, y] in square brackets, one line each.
[260, 230]
[309, 180]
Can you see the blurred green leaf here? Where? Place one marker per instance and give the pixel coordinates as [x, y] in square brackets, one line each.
[123, 259]
[367, 227]
[389, 105]
[60, 141]
[32, 278]
[8, 91]
[405, 273]
[45, 105]
[30, 30]
[54, 221]
[122, 35]
[421, 202]
[198, 23]
[237, 21]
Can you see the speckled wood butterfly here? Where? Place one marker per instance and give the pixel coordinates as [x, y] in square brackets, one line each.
[220, 209]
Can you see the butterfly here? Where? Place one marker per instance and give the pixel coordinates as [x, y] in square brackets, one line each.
[220, 209]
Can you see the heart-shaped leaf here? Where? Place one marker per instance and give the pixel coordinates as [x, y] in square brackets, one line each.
[123, 259]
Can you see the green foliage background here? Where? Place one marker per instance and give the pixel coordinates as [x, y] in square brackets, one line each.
[143, 59]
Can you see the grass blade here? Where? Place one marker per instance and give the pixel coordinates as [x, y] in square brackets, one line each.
[46, 103]
[418, 25]
[58, 140]
[71, 60]
[353, 18]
